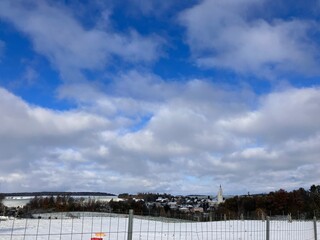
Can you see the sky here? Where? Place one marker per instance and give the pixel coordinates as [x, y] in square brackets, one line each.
[159, 96]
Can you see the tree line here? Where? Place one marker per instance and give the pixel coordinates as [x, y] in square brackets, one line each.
[299, 203]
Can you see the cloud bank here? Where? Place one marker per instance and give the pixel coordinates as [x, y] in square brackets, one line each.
[205, 131]
[132, 129]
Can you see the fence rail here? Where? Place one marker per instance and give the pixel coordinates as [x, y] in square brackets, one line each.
[108, 226]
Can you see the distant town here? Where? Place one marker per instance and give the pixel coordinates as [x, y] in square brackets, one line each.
[21, 204]
[299, 203]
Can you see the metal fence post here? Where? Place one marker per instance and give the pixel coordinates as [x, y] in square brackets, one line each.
[315, 228]
[130, 224]
[268, 229]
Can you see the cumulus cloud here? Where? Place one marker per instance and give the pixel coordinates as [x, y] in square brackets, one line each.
[31, 132]
[39, 121]
[135, 131]
[205, 137]
[227, 34]
[196, 133]
[292, 114]
[70, 46]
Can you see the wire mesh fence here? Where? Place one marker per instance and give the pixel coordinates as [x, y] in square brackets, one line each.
[109, 226]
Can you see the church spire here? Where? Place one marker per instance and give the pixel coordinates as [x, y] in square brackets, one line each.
[220, 195]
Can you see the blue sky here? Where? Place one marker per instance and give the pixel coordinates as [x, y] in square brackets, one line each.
[159, 96]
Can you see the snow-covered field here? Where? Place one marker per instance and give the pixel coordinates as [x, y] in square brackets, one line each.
[116, 227]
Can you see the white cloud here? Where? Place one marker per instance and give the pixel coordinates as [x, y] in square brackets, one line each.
[226, 34]
[31, 132]
[293, 113]
[138, 132]
[22, 120]
[193, 140]
[199, 135]
[68, 45]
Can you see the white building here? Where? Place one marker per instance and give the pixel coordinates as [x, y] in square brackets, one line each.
[218, 199]
[16, 201]
[220, 196]
[21, 201]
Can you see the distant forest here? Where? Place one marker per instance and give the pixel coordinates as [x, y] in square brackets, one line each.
[26, 194]
[299, 203]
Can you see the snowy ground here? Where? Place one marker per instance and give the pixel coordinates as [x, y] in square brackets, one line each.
[116, 226]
